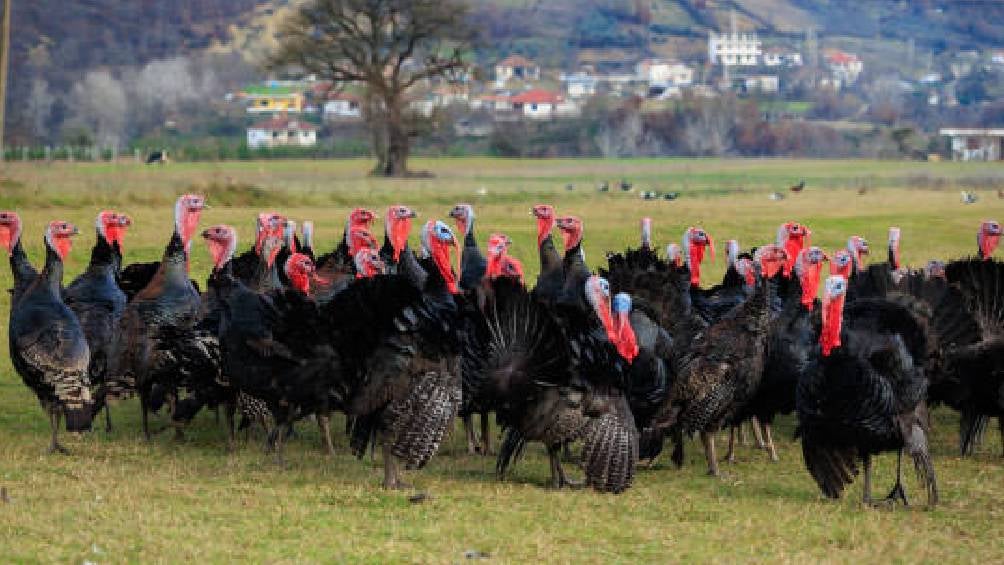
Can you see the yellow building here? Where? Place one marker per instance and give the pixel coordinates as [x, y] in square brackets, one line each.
[273, 99]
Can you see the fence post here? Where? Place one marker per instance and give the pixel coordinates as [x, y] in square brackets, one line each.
[24, 153]
[69, 153]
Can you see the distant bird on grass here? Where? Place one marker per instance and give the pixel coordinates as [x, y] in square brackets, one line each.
[775, 196]
[626, 186]
[671, 196]
[798, 187]
[603, 187]
[968, 197]
[569, 187]
[159, 156]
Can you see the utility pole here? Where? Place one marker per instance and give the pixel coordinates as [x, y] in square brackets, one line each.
[4, 63]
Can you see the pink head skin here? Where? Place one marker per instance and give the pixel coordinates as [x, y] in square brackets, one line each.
[498, 246]
[368, 263]
[988, 238]
[744, 266]
[300, 270]
[512, 268]
[834, 293]
[361, 238]
[842, 263]
[695, 241]
[571, 231]
[439, 240]
[222, 242]
[112, 226]
[59, 236]
[398, 227]
[646, 233]
[10, 230]
[793, 237]
[268, 224]
[894, 235]
[809, 268]
[187, 211]
[771, 258]
[858, 248]
[545, 221]
[464, 215]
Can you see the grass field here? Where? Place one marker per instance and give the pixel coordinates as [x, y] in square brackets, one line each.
[118, 499]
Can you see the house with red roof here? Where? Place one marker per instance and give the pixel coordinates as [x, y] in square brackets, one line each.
[539, 103]
[845, 67]
[282, 131]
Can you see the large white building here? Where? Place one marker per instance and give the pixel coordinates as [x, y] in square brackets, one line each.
[734, 49]
[975, 144]
[282, 131]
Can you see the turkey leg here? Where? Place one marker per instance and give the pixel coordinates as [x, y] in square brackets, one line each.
[54, 417]
[897, 492]
[730, 455]
[867, 486]
[771, 450]
[757, 434]
[708, 439]
[324, 425]
[472, 441]
[486, 436]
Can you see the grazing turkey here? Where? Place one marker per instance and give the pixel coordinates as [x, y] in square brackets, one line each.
[98, 302]
[866, 395]
[47, 345]
[158, 345]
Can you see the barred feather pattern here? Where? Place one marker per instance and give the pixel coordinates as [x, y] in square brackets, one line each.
[253, 411]
[422, 418]
[609, 453]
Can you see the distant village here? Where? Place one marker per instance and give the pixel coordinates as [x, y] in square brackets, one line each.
[517, 88]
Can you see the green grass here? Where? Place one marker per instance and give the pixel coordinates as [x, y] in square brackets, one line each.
[118, 499]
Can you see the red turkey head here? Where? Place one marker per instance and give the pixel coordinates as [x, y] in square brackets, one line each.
[894, 235]
[934, 269]
[307, 229]
[222, 242]
[10, 230]
[58, 236]
[270, 249]
[398, 227]
[112, 226]
[771, 259]
[842, 263]
[598, 296]
[988, 238]
[512, 268]
[187, 211]
[646, 233]
[368, 263]
[858, 248]
[497, 246]
[809, 268]
[571, 231]
[834, 293]
[300, 270]
[793, 237]
[268, 224]
[464, 215]
[695, 241]
[360, 238]
[438, 240]
[545, 221]
[674, 255]
[626, 341]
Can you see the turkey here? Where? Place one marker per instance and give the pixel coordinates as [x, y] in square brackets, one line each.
[718, 367]
[472, 262]
[47, 345]
[736, 287]
[358, 218]
[555, 379]
[158, 345]
[399, 346]
[395, 252]
[98, 302]
[24, 273]
[551, 278]
[307, 231]
[866, 394]
[574, 269]
[793, 237]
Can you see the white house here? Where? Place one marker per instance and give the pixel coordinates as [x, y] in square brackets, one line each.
[734, 49]
[767, 84]
[975, 144]
[580, 84]
[543, 104]
[845, 67]
[515, 67]
[342, 106]
[778, 57]
[660, 72]
[281, 132]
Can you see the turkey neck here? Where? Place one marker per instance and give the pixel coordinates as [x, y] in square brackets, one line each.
[19, 263]
[104, 258]
[266, 276]
[53, 273]
[549, 257]
[757, 308]
[175, 262]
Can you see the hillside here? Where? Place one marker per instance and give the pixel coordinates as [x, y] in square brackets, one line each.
[56, 42]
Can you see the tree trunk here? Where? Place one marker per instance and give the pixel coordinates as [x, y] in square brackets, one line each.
[394, 160]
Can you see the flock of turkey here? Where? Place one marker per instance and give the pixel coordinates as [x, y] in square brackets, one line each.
[621, 362]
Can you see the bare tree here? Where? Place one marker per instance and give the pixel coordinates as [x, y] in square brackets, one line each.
[38, 108]
[389, 46]
[101, 106]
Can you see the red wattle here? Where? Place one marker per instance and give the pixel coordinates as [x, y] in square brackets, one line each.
[810, 285]
[696, 258]
[544, 227]
[833, 313]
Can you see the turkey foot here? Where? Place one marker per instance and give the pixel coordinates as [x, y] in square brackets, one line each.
[324, 425]
[54, 445]
[392, 470]
[897, 492]
[558, 478]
